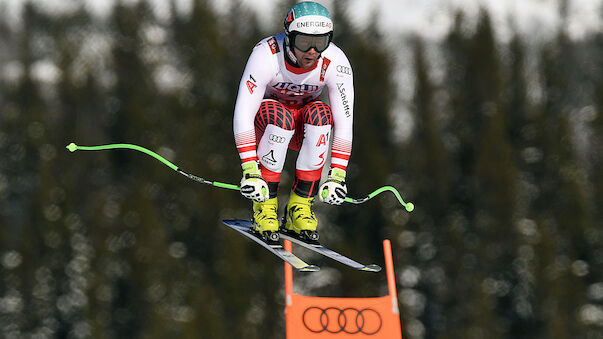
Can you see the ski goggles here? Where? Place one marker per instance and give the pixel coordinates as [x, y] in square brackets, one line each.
[304, 42]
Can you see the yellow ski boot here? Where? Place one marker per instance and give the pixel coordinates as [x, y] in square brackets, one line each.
[299, 219]
[265, 219]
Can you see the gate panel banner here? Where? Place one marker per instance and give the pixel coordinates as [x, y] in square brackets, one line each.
[331, 318]
[320, 317]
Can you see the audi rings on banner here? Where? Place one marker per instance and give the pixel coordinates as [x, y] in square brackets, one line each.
[348, 320]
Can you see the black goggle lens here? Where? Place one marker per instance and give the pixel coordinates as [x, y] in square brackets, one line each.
[305, 42]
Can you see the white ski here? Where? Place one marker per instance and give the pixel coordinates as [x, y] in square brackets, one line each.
[245, 227]
[317, 247]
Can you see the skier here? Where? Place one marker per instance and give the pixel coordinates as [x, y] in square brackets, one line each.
[278, 108]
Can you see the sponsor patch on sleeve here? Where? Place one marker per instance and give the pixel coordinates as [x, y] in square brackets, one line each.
[323, 69]
[251, 84]
[273, 45]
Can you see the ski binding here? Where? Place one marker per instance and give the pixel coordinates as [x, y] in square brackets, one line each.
[245, 227]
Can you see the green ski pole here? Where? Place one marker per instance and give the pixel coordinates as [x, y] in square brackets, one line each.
[72, 147]
[408, 205]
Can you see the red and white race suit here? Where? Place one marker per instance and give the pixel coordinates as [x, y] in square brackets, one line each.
[278, 108]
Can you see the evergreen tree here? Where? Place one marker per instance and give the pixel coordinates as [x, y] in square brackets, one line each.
[25, 150]
[426, 164]
[431, 165]
[560, 206]
[522, 134]
[520, 114]
[129, 224]
[483, 183]
[593, 234]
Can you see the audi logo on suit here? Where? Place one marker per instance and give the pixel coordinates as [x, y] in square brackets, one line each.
[344, 69]
[277, 138]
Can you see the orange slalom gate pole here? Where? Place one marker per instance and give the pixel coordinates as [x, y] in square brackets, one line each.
[391, 279]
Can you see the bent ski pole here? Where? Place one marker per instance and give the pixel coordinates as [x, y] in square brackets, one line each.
[408, 205]
[72, 147]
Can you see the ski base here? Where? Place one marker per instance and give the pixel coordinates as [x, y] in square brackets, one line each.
[246, 228]
[317, 247]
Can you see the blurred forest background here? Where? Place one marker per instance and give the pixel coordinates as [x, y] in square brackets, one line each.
[504, 163]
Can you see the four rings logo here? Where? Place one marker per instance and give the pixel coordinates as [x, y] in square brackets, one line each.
[344, 69]
[277, 138]
[348, 320]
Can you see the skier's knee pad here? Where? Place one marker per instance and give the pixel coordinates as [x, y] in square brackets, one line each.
[317, 113]
[272, 112]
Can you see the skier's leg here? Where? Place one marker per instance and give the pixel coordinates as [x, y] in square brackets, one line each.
[274, 126]
[317, 122]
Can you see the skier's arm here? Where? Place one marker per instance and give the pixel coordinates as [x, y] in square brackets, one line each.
[251, 92]
[341, 98]
[257, 74]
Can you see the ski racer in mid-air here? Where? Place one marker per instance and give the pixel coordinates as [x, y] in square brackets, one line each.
[278, 108]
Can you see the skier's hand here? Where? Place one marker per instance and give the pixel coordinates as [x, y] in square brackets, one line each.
[253, 186]
[334, 190]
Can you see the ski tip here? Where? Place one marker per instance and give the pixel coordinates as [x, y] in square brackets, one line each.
[309, 268]
[371, 268]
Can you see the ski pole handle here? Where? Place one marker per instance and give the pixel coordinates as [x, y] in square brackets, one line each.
[72, 147]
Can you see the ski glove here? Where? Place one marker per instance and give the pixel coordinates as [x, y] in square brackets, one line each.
[334, 190]
[253, 186]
